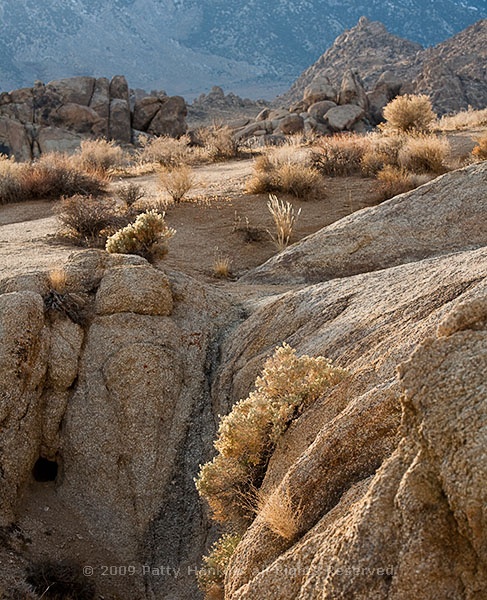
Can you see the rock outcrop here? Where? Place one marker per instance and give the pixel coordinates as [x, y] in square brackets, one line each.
[452, 73]
[60, 114]
[117, 402]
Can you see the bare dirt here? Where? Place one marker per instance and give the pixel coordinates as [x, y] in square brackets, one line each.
[216, 220]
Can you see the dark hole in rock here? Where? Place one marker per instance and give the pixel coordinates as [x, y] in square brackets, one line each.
[45, 470]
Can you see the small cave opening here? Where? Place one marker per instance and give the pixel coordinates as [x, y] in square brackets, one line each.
[45, 470]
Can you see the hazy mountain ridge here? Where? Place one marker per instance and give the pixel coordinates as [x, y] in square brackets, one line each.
[186, 46]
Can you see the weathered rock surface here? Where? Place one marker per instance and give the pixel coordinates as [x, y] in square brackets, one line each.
[343, 118]
[417, 525]
[445, 213]
[57, 116]
[122, 404]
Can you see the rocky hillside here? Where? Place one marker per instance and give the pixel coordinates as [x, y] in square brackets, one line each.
[185, 46]
[452, 73]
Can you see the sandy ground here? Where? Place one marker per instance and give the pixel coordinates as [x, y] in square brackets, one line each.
[205, 223]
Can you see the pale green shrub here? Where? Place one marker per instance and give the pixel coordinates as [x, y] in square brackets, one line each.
[212, 575]
[147, 236]
[248, 435]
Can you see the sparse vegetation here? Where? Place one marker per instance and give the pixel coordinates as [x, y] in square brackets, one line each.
[222, 266]
[218, 143]
[131, 193]
[147, 236]
[177, 182]
[425, 154]
[49, 178]
[212, 574]
[248, 435]
[409, 113]
[284, 217]
[395, 180]
[59, 581]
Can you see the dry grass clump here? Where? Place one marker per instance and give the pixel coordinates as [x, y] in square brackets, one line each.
[466, 119]
[212, 575]
[222, 266]
[392, 181]
[286, 170]
[284, 217]
[380, 151]
[147, 236]
[101, 155]
[425, 154]
[281, 514]
[248, 435]
[480, 150]
[177, 182]
[340, 155]
[51, 177]
[166, 151]
[89, 220]
[218, 143]
[409, 113]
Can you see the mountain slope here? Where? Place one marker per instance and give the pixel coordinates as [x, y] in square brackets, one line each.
[185, 46]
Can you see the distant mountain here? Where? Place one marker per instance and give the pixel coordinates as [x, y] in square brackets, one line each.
[186, 46]
[453, 73]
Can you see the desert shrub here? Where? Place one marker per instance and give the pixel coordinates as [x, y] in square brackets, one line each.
[52, 176]
[409, 114]
[284, 217]
[218, 143]
[101, 155]
[60, 581]
[464, 119]
[147, 236]
[285, 170]
[165, 150]
[339, 155]
[380, 152]
[222, 266]
[131, 193]
[480, 150]
[89, 220]
[393, 181]
[177, 182]
[248, 435]
[212, 575]
[424, 154]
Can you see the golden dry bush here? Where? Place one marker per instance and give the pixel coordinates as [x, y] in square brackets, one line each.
[340, 155]
[101, 155]
[217, 143]
[380, 151]
[57, 279]
[177, 182]
[425, 154]
[480, 150]
[222, 266]
[284, 217]
[165, 151]
[281, 514]
[409, 113]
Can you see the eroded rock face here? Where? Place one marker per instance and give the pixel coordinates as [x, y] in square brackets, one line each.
[418, 525]
[121, 404]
